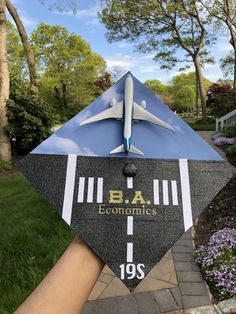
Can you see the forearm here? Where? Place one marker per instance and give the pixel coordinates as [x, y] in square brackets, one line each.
[67, 286]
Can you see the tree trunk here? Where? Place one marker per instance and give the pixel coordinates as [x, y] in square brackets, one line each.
[64, 95]
[26, 44]
[5, 146]
[234, 86]
[201, 87]
[197, 97]
[233, 43]
[58, 99]
[57, 93]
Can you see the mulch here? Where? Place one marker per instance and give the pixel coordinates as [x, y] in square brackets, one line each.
[220, 213]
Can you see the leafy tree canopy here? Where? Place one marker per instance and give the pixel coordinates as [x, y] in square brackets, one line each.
[183, 90]
[157, 87]
[223, 12]
[164, 27]
[69, 68]
[159, 26]
[61, 5]
[227, 65]
[221, 99]
[104, 82]
[15, 50]
[187, 79]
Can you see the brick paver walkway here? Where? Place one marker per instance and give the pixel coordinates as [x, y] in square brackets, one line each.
[189, 291]
[162, 276]
[206, 135]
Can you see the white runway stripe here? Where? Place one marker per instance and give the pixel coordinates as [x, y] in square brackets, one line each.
[129, 182]
[90, 190]
[174, 192]
[130, 222]
[81, 190]
[156, 199]
[185, 190]
[100, 190]
[129, 252]
[69, 188]
[165, 192]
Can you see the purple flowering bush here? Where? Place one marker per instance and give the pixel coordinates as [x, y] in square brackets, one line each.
[217, 261]
[215, 135]
[220, 141]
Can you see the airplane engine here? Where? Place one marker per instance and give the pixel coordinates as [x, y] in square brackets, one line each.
[143, 104]
[113, 102]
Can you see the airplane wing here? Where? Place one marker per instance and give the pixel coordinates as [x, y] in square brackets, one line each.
[141, 114]
[115, 112]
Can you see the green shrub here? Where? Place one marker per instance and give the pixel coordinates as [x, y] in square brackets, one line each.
[229, 131]
[30, 118]
[221, 99]
[231, 150]
[5, 165]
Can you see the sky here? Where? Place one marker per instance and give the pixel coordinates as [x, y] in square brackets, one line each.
[86, 24]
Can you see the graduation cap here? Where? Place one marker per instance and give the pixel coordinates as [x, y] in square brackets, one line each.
[128, 175]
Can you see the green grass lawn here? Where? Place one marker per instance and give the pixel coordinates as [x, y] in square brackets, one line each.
[209, 125]
[32, 237]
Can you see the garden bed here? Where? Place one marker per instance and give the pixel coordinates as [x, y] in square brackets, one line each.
[220, 214]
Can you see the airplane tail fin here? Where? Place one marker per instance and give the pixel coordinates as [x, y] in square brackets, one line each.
[135, 150]
[119, 149]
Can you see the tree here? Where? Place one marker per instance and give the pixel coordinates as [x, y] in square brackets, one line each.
[224, 12]
[163, 27]
[157, 87]
[161, 90]
[227, 64]
[60, 6]
[221, 99]
[185, 99]
[183, 89]
[68, 66]
[26, 44]
[5, 148]
[15, 52]
[104, 82]
[117, 72]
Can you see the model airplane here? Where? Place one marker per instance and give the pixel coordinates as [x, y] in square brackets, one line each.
[128, 111]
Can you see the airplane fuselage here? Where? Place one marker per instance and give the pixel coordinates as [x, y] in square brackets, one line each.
[128, 113]
[127, 110]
